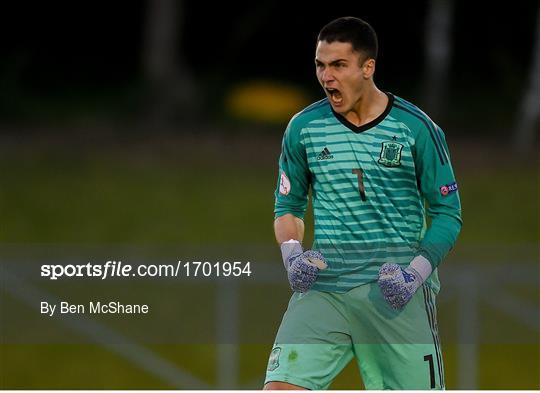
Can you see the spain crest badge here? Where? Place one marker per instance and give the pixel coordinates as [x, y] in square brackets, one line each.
[391, 154]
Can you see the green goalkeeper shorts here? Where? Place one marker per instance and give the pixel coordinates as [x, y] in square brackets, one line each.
[322, 332]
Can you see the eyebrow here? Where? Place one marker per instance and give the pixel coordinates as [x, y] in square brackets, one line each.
[333, 62]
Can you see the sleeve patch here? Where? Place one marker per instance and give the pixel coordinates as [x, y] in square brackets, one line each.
[284, 184]
[448, 188]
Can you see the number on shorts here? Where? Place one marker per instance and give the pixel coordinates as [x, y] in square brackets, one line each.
[429, 358]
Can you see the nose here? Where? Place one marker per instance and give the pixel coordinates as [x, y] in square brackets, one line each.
[326, 75]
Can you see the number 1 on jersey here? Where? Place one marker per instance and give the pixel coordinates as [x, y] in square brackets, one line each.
[361, 189]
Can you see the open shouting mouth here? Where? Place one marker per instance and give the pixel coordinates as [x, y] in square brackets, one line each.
[335, 95]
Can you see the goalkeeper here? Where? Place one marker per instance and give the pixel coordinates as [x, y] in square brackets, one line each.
[367, 288]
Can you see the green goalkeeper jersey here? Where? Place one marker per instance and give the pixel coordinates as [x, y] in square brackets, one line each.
[370, 185]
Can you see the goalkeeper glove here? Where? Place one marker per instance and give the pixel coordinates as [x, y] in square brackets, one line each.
[302, 266]
[398, 284]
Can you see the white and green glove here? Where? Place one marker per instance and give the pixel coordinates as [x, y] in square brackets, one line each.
[302, 266]
[399, 284]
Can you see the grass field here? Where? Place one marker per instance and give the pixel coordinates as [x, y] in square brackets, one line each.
[217, 191]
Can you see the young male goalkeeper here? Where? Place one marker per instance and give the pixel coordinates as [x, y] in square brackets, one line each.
[367, 289]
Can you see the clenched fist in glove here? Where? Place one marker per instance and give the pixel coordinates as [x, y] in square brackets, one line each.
[302, 266]
[399, 284]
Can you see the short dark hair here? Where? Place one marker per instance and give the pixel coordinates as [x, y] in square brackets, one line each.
[357, 32]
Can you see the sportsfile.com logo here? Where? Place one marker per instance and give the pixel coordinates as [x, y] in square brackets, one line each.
[448, 189]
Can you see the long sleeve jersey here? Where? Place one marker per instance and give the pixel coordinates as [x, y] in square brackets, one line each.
[370, 185]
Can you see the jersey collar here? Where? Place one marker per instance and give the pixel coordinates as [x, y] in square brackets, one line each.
[372, 123]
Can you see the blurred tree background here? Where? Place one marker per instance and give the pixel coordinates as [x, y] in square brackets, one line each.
[179, 60]
[159, 122]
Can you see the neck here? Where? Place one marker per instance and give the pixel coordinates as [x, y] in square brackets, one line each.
[369, 106]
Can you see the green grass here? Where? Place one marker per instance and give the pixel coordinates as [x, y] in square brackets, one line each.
[501, 206]
[104, 200]
[134, 197]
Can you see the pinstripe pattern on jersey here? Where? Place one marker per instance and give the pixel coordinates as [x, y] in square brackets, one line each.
[357, 236]
[434, 131]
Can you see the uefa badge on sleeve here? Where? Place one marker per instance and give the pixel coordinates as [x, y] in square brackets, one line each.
[448, 188]
[284, 184]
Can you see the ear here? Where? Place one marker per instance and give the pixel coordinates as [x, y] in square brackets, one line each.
[368, 68]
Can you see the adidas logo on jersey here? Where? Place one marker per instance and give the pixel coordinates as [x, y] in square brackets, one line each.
[325, 155]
